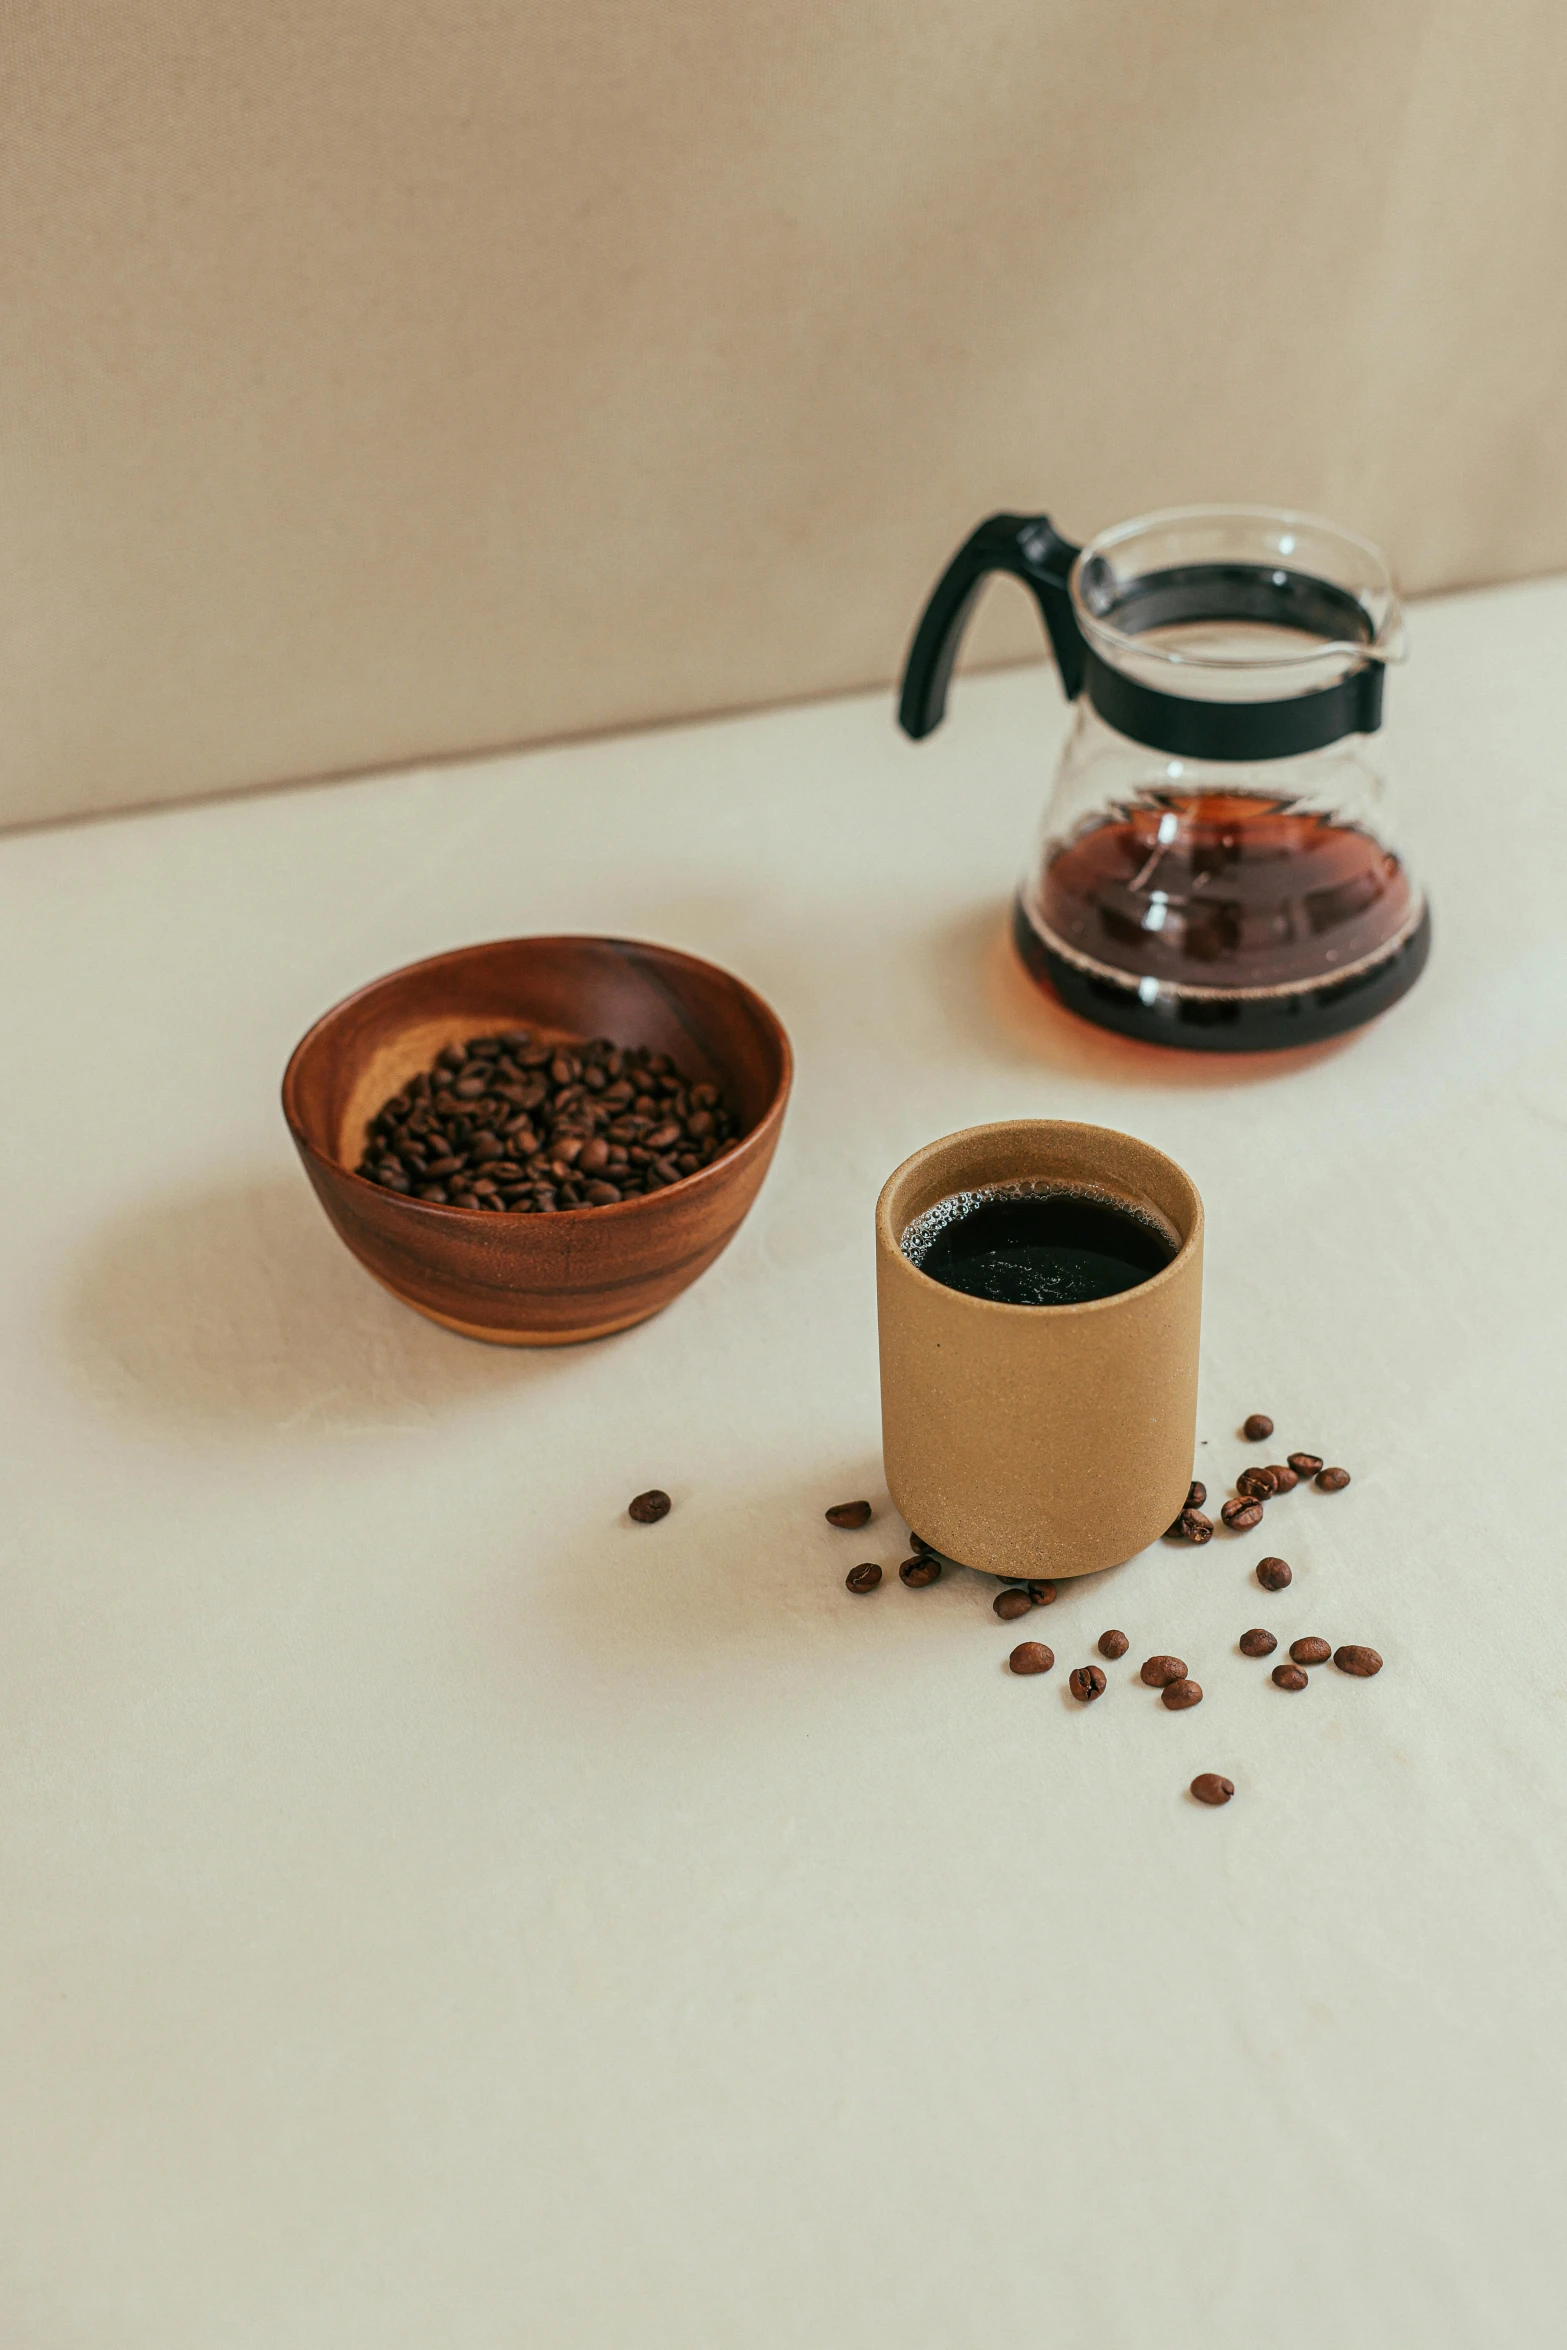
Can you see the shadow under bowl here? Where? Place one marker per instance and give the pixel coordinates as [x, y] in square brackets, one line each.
[539, 1280]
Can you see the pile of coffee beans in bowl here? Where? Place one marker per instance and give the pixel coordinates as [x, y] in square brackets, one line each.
[524, 1125]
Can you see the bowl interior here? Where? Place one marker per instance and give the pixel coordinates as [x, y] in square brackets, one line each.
[712, 1026]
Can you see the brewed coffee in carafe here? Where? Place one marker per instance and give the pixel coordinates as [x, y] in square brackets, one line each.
[1216, 869]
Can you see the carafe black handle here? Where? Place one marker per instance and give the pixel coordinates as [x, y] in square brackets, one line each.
[1032, 550]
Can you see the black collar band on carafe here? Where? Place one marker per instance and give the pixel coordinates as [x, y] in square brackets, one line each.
[1032, 550]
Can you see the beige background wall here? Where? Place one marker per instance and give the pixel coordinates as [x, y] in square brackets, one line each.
[388, 377]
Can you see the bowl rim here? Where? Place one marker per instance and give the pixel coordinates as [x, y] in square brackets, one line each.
[745, 1148]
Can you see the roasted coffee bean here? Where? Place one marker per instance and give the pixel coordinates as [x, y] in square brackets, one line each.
[517, 1112]
[851, 1514]
[1257, 1427]
[1042, 1594]
[1191, 1526]
[1309, 1652]
[916, 1541]
[1273, 1574]
[1305, 1464]
[1254, 1484]
[1180, 1694]
[1289, 1677]
[1158, 1670]
[1362, 1662]
[1087, 1683]
[1257, 1643]
[1332, 1480]
[1240, 1516]
[1113, 1644]
[1009, 1604]
[1211, 1787]
[863, 1578]
[1032, 1656]
[1284, 1478]
[1196, 1495]
[919, 1571]
[649, 1507]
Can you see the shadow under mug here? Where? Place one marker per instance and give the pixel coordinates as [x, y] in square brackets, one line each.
[1038, 1440]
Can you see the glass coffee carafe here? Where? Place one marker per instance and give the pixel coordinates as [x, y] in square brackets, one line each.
[1217, 869]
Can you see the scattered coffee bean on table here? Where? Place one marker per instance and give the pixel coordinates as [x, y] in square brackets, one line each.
[1240, 1516]
[1257, 1643]
[1180, 1694]
[1157, 1670]
[1257, 1427]
[1332, 1480]
[1362, 1662]
[1011, 1604]
[1042, 1594]
[1254, 1484]
[1211, 1787]
[863, 1578]
[1032, 1656]
[1113, 1644]
[1284, 1478]
[649, 1507]
[1309, 1652]
[1087, 1683]
[852, 1514]
[512, 1124]
[919, 1543]
[919, 1571]
[1273, 1574]
[1305, 1464]
[1196, 1495]
[1191, 1526]
[1289, 1677]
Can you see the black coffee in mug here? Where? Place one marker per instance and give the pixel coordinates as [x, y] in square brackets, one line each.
[1039, 1244]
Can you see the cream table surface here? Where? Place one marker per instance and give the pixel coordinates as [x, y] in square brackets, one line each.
[439, 1912]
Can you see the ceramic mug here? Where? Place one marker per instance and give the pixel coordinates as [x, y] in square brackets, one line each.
[1039, 1440]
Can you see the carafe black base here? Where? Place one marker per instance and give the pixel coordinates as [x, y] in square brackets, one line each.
[1226, 1024]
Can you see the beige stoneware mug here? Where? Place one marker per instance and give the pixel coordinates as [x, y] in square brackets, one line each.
[1039, 1440]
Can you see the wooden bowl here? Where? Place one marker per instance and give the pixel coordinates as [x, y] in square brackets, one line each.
[583, 1272]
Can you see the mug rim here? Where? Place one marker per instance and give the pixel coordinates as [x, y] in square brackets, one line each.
[891, 1241]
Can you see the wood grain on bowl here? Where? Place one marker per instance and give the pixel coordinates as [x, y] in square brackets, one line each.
[583, 1272]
